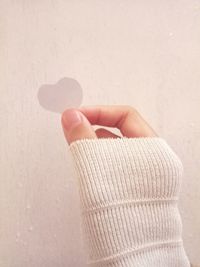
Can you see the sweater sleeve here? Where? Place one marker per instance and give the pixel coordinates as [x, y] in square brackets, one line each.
[129, 191]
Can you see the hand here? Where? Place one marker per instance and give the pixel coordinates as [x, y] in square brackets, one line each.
[77, 123]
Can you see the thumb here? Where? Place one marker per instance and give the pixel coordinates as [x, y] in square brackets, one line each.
[76, 126]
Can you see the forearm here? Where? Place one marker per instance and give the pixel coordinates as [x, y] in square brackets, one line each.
[129, 190]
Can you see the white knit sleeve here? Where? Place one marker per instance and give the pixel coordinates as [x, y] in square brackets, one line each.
[129, 190]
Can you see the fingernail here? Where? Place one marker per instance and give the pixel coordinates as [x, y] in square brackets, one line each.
[71, 118]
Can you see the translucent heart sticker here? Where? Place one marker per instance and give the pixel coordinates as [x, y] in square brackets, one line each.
[66, 93]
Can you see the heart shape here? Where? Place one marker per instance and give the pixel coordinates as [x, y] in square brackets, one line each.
[66, 93]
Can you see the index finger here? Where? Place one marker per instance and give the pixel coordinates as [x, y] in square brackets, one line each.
[126, 118]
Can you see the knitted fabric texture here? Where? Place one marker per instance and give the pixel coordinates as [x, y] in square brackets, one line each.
[129, 191]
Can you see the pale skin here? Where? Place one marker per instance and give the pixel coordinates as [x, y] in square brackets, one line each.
[126, 118]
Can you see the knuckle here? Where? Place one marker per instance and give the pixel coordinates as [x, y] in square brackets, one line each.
[131, 109]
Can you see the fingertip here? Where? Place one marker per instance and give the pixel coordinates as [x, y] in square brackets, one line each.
[76, 126]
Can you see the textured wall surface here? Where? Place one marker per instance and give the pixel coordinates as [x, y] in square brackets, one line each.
[140, 53]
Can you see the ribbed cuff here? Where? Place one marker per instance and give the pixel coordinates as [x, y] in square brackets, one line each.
[129, 189]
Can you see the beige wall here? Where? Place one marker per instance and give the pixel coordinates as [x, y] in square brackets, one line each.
[141, 53]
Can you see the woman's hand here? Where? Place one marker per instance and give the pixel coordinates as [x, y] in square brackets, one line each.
[77, 123]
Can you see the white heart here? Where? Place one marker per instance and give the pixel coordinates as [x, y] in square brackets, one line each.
[66, 93]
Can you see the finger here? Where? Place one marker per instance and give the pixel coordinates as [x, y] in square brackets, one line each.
[125, 118]
[103, 133]
[76, 126]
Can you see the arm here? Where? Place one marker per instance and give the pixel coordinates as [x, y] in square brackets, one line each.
[129, 192]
